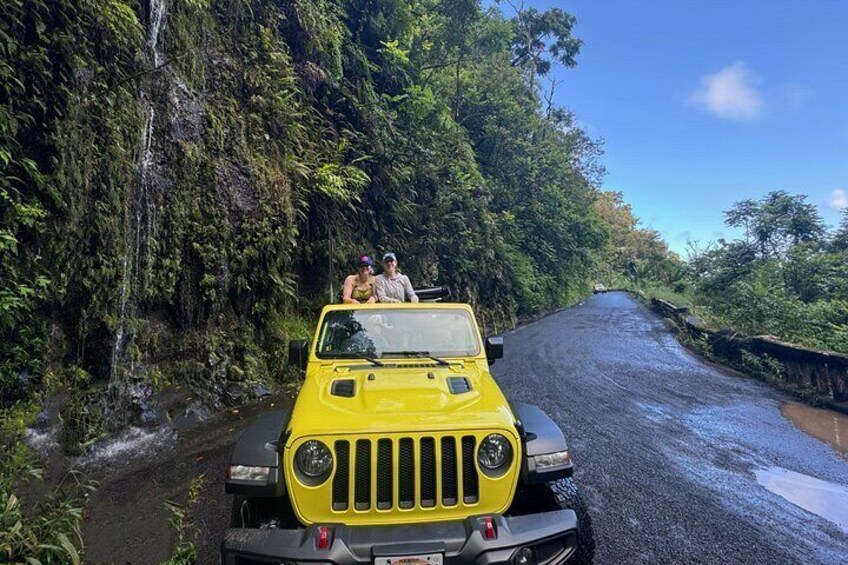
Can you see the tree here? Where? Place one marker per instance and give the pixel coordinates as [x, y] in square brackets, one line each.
[631, 251]
[840, 239]
[777, 222]
[541, 39]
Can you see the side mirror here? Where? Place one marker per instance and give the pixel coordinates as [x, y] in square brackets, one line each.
[298, 353]
[494, 348]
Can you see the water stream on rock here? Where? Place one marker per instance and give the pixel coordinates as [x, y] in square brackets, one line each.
[136, 266]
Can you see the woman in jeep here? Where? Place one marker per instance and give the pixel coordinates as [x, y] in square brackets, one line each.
[359, 288]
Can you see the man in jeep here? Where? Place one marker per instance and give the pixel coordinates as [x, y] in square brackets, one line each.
[392, 286]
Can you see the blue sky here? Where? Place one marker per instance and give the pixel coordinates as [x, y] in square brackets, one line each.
[702, 104]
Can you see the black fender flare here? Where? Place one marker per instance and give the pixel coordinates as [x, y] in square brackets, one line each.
[539, 436]
[261, 445]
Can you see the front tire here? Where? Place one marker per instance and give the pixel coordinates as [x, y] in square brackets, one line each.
[562, 494]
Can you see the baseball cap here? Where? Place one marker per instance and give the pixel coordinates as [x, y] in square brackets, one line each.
[365, 260]
[389, 257]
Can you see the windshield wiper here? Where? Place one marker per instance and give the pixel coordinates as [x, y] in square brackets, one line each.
[349, 355]
[416, 354]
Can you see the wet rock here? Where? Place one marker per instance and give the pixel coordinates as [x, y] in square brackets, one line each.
[42, 421]
[139, 396]
[259, 390]
[235, 393]
[187, 115]
[310, 76]
[195, 413]
[149, 416]
[235, 187]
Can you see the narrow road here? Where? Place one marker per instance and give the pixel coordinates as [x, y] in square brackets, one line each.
[668, 448]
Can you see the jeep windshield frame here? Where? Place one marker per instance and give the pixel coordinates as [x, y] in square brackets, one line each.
[397, 332]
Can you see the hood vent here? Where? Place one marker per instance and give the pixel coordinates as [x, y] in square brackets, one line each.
[343, 387]
[458, 385]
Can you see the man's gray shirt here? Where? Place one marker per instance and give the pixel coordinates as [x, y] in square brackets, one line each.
[393, 289]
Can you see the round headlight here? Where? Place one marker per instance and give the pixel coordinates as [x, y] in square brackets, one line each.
[494, 452]
[314, 459]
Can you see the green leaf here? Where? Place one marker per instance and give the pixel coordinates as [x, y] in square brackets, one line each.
[69, 548]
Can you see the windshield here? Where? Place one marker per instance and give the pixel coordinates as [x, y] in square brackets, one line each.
[397, 333]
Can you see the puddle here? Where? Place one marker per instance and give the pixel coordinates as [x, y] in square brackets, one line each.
[828, 500]
[826, 425]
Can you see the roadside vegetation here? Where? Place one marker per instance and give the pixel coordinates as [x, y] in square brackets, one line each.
[786, 275]
[44, 529]
[186, 550]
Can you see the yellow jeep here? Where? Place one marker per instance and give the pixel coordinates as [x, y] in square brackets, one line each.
[401, 449]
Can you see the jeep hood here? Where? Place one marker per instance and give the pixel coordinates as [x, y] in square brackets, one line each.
[387, 399]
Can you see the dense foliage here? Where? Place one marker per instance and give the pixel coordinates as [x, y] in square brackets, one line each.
[787, 277]
[183, 181]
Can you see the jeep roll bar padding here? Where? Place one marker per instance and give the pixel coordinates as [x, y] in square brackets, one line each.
[540, 436]
[261, 445]
[432, 293]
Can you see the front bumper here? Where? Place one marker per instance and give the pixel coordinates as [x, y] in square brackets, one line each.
[553, 535]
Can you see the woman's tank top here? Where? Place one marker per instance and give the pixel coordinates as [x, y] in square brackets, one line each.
[363, 293]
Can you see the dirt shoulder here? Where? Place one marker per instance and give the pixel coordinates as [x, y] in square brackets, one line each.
[127, 521]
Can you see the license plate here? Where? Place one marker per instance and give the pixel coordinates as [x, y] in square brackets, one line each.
[428, 559]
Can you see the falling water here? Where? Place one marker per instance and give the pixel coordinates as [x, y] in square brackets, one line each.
[157, 12]
[144, 205]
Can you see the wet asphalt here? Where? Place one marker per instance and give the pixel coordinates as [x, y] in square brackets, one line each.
[666, 445]
[667, 448]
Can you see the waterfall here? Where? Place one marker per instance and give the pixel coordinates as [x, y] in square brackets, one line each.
[144, 206]
[157, 13]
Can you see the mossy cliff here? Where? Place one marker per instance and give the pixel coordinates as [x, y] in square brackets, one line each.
[181, 181]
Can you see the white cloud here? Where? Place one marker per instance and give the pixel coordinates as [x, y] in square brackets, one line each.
[730, 94]
[838, 199]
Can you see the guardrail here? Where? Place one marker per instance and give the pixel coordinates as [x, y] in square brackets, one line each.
[821, 376]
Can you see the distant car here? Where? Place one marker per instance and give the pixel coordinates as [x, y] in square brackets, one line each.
[598, 288]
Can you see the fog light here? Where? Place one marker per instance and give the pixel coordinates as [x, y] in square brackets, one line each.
[524, 556]
[551, 460]
[246, 473]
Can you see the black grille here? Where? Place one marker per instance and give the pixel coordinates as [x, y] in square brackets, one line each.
[384, 474]
[469, 471]
[340, 481]
[343, 387]
[449, 494]
[406, 474]
[362, 496]
[428, 472]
